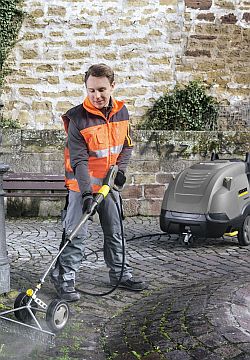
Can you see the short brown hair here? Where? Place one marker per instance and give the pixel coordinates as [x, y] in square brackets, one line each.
[100, 70]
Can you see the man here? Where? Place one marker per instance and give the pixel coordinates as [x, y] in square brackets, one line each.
[98, 136]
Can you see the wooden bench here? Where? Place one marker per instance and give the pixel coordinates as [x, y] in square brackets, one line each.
[33, 185]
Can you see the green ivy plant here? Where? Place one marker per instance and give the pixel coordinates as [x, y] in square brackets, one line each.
[187, 107]
[11, 18]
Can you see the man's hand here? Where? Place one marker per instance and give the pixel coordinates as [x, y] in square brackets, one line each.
[120, 179]
[87, 202]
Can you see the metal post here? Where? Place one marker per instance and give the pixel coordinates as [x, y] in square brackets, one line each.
[4, 262]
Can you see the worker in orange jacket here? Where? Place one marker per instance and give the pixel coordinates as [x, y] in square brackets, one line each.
[98, 136]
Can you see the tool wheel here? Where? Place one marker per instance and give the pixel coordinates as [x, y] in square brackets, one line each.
[244, 232]
[23, 314]
[57, 315]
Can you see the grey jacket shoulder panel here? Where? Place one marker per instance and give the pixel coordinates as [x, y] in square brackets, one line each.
[76, 114]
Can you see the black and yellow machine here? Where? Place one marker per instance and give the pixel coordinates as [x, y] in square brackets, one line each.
[209, 199]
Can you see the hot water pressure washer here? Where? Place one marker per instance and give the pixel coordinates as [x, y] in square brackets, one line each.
[209, 199]
[27, 303]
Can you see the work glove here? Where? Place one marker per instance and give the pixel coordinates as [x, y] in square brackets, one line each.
[87, 202]
[120, 179]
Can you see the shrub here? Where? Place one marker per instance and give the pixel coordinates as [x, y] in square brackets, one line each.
[9, 124]
[186, 108]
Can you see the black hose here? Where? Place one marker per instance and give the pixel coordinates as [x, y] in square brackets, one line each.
[127, 240]
[146, 235]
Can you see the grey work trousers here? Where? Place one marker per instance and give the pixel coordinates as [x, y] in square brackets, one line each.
[71, 258]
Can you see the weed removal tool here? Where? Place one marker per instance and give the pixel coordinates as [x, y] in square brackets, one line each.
[28, 304]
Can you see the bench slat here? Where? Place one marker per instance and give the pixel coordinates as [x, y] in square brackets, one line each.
[33, 194]
[32, 176]
[33, 185]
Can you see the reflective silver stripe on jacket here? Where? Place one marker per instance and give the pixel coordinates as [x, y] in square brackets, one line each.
[116, 149]
[105, 152]
[99, 153]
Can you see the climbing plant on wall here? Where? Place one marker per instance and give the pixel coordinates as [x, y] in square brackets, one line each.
[187, 107]
[11, 17]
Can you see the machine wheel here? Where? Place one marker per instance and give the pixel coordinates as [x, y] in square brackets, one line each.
[57, 315]
[24, 314]
[244, 232]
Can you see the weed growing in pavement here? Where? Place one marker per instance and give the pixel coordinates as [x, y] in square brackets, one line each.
[138, 356]
[120, 311]
[65, 351]
[183, 325]
[1, 348]
[151, 352]
[4, 307]
[76, 343]
[113, 356]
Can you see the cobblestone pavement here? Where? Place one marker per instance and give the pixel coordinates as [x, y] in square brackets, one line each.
[196, 307]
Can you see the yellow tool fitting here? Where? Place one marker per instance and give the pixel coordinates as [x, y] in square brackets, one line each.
[29, 292]
[104, 190]
[243, 194]
[233, 233]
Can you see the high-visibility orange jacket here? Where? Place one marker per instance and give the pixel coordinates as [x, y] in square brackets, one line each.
[94, 143]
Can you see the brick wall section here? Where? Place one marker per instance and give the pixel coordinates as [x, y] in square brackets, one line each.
[157, 157]
[150, 44]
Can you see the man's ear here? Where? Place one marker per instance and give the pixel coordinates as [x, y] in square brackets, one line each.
[113, 85]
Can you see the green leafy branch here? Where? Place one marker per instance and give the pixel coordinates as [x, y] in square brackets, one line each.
[11, 18]
[186, 108]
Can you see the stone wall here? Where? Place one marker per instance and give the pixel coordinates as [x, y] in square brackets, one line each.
[157, 157]
[151, 44]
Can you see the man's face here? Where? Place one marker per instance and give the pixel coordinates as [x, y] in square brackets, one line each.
[99, 91]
